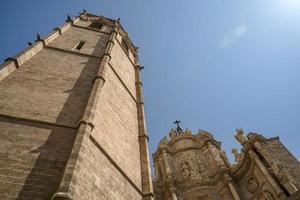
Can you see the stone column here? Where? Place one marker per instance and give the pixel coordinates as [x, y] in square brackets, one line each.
[167, 165]
[173, 192]
[169, 178]
[67, 187]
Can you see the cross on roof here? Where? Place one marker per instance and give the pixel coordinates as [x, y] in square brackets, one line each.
[179, 129]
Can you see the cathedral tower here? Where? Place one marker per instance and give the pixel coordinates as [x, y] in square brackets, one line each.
[72, 120]
[194, 167]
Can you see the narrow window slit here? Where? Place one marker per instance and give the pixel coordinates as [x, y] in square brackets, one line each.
[80, 45]
[125, 46]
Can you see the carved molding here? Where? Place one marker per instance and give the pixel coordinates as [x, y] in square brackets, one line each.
[252, 184]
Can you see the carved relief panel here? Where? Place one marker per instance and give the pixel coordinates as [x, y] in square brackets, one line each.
[190, 167]
[258, 191]
[256, 186]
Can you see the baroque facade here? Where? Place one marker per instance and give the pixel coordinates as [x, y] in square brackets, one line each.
[72, 116]
[194, 167]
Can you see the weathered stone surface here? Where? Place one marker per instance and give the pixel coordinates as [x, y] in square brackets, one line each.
[288, 160]
[69, 118]
[124, 68]
[116, 127]
[33, 158]
[99, 179]
[95, 42]
[193, 167]
[53, 86]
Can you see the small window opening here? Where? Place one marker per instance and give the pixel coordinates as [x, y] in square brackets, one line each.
[80, 45]
[96, 25]
[125, 46]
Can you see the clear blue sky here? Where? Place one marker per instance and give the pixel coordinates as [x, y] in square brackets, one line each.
[215, 65]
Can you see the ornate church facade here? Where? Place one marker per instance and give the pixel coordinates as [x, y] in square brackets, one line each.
[194, 167]
[72, 127]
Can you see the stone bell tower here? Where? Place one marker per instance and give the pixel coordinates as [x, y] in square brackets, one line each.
[72, 122]
[194, 167]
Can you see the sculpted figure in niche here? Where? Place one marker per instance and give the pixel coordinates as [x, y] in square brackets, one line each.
[252, 184]
[240, 136]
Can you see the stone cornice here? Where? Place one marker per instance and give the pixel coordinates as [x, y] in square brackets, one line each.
[111, 23]
[243, 167]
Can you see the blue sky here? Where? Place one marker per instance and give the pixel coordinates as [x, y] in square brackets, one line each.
[215, 66]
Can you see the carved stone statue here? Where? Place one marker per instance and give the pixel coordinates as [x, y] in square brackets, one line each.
[241, 138]
[236, 154]
[216, 154]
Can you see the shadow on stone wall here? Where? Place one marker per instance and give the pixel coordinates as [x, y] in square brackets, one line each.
[46, 174]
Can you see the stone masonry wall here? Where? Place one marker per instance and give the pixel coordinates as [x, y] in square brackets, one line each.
[52, 86]
[116, 126]
[99, 179]
[32, 158]
[95, 42]
[124, 68]
[41, 106]
[110, 165]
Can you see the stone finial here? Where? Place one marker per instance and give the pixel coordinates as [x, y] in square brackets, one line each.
[188, 132]
[225, 158]
[241, 138]
[172, 133]
[236, 155]
[163, 143]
